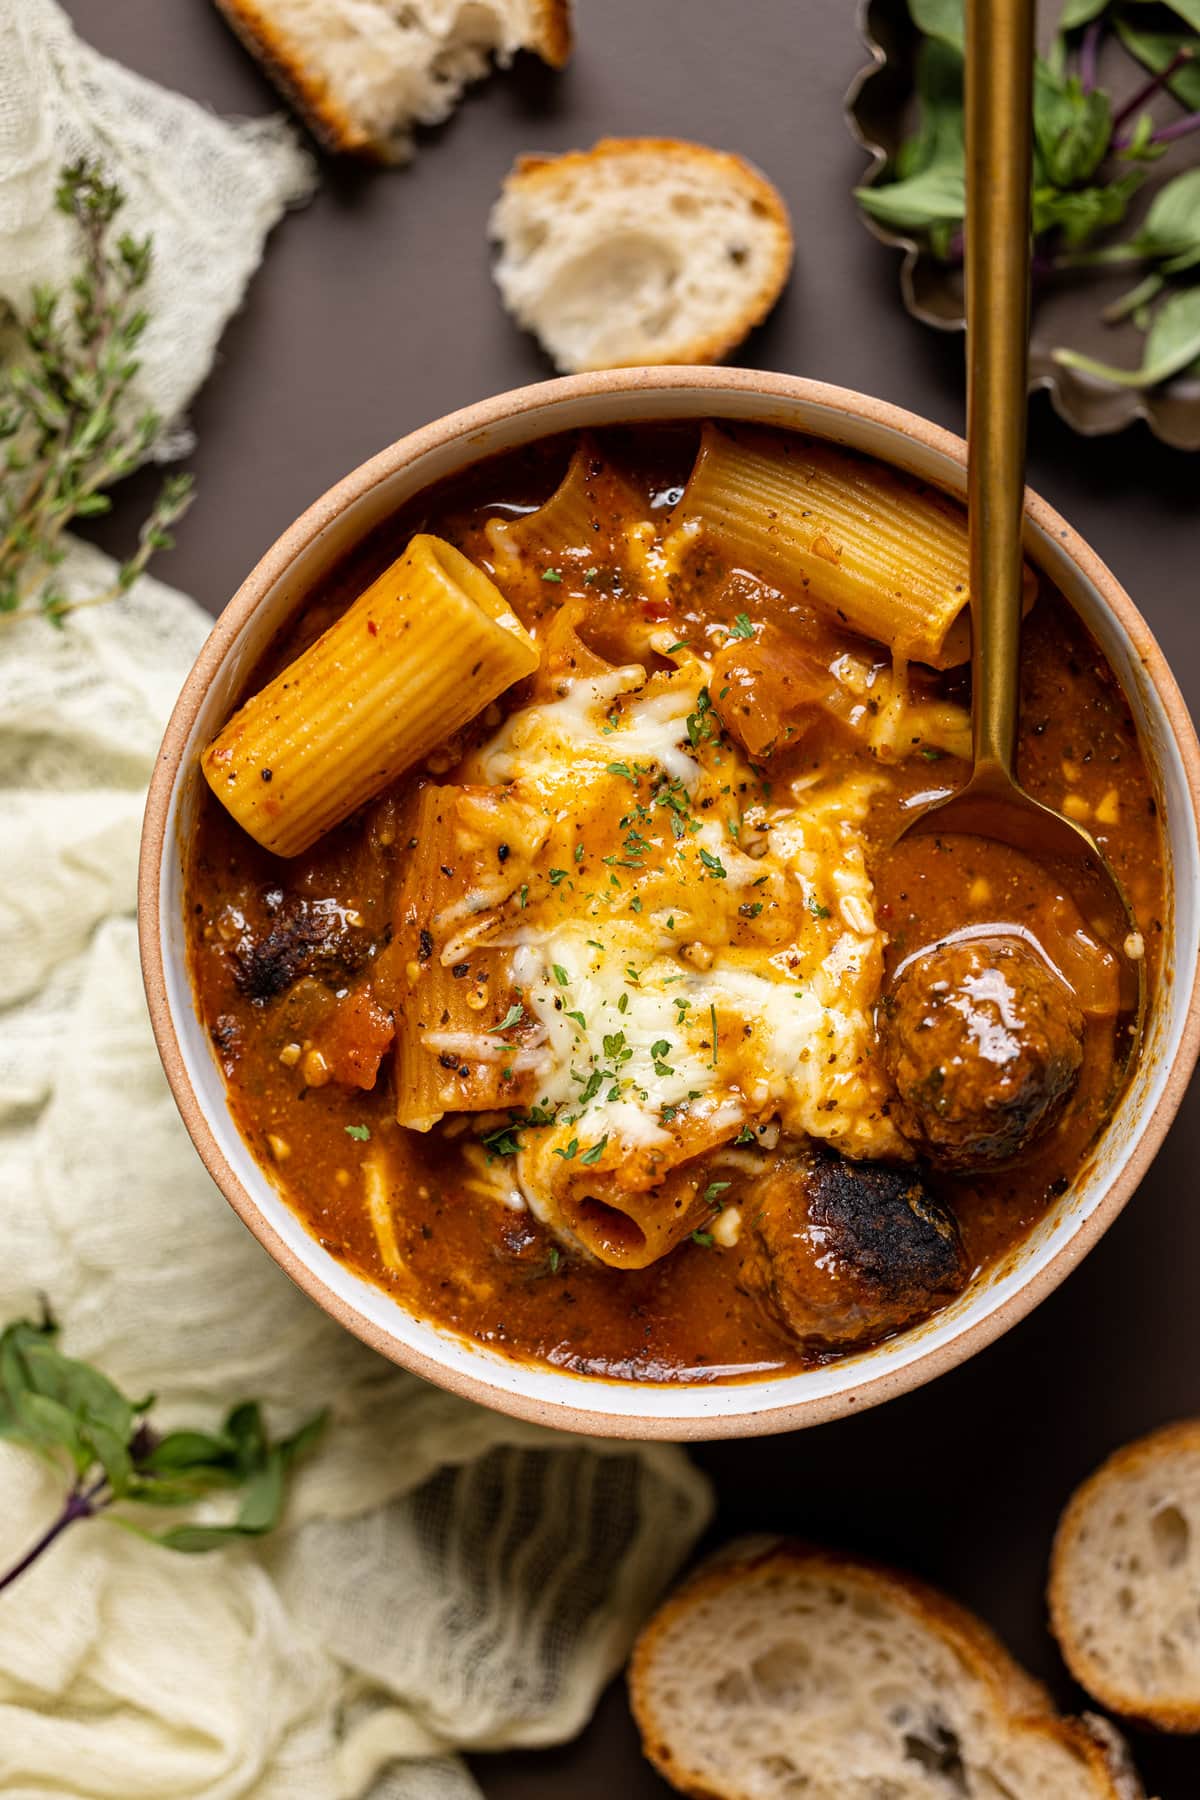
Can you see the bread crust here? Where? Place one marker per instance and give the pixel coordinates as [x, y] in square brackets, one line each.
[1026, 1702]
[333, 127]
[1182, 1714]
[329, 122]
[724, 166]
[554, 36]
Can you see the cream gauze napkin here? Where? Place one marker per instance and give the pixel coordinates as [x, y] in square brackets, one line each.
[445, 1579]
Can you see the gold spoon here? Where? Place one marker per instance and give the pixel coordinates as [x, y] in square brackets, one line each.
[992, 804]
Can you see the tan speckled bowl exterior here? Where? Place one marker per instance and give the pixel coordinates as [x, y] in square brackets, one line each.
[313, 545]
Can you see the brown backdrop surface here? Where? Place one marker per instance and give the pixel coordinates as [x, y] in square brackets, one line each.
[373, 313]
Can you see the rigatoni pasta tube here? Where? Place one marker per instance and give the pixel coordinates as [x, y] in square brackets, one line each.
[583, 518]
[882, 553]
[452, 994]
[416, 657]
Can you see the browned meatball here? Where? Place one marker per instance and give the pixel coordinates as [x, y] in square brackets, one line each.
[842, 1254]
[983, 1042]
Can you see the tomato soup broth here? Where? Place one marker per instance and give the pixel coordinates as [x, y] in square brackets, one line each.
[617, 888]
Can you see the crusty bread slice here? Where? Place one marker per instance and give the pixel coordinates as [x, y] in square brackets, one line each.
[640, 250]
[781, 1672]
[363, 73]
[1125, 1580]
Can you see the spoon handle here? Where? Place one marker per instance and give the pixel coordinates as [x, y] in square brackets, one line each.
[999, 98]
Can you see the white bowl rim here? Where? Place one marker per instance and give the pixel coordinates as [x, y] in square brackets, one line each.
[561, 1398]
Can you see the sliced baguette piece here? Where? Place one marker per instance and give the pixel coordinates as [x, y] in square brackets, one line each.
[363, 73]
[640, 250]
[1125, 1580]
[781, 1672]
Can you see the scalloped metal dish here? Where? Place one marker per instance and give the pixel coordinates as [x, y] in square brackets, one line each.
[1067, 311]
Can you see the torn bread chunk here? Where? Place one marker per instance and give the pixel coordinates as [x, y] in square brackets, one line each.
[640, 250]
[364, 73]
[780, 1670]
[1125, 1578]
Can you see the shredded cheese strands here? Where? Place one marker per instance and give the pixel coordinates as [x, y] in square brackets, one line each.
[415, 658]
[889, 558]
[377, 1194]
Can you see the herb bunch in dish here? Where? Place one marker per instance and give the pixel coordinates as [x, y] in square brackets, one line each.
[1092, 154]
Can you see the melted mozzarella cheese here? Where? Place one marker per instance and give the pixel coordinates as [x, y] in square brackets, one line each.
[697, 954]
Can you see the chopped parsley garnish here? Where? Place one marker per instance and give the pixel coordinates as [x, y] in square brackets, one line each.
[635, 905]
[589, 575]
[930, 753]
[579, 1020]
[503, 1142]
[712, 1013]
[557, 875]
[555, 1259]
[596, 1152]
[705, 1239]
[615, 1047]
[701, 724]
[360, 1132]
[816, 909]
[523, 895]
[579, 853]
[713, 864]
[660, 1048]
[551, 575]
[715, 1188]
[592, 1086]
[570, 1150]
[750, 909]
[632, 976]
[513, 1016]
[741, 627]
[622, 768]
[679, 644]
[560, 975]
[746, 1136]
[622, 1003]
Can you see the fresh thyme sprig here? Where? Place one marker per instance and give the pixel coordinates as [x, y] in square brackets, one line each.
[67, 427]
[75, 1418]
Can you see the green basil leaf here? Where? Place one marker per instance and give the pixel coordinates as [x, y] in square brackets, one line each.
[940, 19]
[1173, 341]
[1141, 146]
[1172, 346]
[247, 1434]
[1188, 10]
[939, 134]
[195, 1539]
[1072, 128]
[1081, 212]
[1155, 49]
[181, 1488]
[1172, 225]
[265, 1490]
[53, 1402]
[1080, 12]
[937, 196]
[187, 1450]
